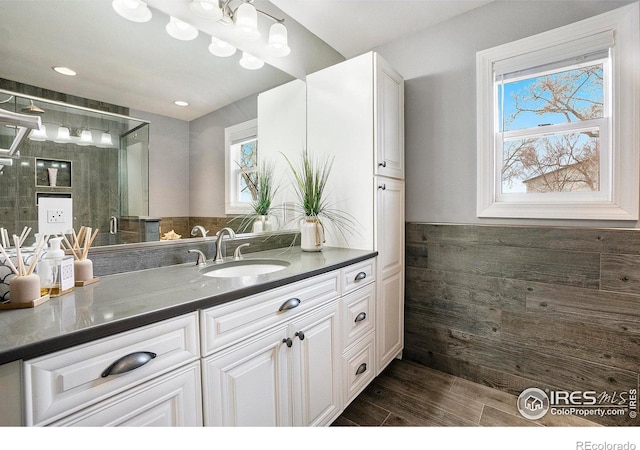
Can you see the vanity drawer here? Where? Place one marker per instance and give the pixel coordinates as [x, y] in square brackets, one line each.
[358, 367]
[358, 314]
[357, 275]
[237, 320]
[66, 381]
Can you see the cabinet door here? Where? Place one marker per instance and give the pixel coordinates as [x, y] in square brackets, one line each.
[389, 120]
[390, 319]
[390, 268]
[389, 226]
[316, 367]
[169, 401]
[248, 384]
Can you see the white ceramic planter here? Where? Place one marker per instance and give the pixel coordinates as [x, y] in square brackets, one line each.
[311, 235]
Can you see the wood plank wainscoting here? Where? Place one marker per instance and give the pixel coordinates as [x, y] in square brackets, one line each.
[517, 307]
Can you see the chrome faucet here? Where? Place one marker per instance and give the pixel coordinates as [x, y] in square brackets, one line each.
[200, 228]
[202, 260]
[220, 234]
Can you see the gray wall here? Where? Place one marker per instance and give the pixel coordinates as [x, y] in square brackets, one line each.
[206, 158]
[438, 65]
[186, 160]
[168, 165]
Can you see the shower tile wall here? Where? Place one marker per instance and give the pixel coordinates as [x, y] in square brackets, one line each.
[94, 185]
[519, 307]
[94, 176]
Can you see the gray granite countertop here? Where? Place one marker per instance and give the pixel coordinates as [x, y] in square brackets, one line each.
[129, 300]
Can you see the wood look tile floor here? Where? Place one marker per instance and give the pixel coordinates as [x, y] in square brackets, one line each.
[410, 394]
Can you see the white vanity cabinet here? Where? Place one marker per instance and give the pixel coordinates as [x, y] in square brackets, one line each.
[149, 375]
[358, 317]
[287, 374]
[355, 113]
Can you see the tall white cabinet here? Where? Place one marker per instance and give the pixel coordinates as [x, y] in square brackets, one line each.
[355, 113]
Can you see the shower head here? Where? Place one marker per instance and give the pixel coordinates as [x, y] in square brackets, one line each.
[33, 109]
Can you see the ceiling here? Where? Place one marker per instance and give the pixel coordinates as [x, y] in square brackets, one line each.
[140, 66]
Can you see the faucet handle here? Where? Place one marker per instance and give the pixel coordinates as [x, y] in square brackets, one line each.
[202, 260]
[237, 255]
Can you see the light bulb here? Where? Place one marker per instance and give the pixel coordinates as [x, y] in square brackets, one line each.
[218, 47]
[85, 138]
[206, 9]
[39, 135]
[105, 140]
[250, 62]
[181, 30]
[247, 22]
[133, 10]
[63, 135]
[278, 45]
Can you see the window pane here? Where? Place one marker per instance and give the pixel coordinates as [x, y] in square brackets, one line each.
[249, 154]
[561, 163]
[568, 96]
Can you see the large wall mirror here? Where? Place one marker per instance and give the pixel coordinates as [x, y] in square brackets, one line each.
[141, 68]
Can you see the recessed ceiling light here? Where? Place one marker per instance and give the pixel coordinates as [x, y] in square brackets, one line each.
[65, 71]
[181, 103]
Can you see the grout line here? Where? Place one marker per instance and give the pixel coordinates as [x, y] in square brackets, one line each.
[385, 419]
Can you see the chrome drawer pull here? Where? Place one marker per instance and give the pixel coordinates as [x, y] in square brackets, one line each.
[289, 304]
[360, 317]
[128, 362]
[361, 369]
[360, 276]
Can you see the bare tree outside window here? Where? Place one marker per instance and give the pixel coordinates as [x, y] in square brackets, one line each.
[562, 159]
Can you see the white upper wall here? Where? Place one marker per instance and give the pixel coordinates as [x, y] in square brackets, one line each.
[438, 65]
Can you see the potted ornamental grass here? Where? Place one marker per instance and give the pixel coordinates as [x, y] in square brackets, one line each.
[310, 178]
[263, 189]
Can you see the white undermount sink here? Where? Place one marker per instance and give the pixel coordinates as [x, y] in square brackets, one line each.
[244, 267]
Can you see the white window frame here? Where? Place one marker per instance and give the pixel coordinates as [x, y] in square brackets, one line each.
[234, 134]
[619, 195]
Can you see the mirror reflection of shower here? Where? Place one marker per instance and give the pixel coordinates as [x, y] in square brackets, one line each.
[94, 163]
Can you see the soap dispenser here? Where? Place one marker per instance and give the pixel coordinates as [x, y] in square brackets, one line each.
[56, 270]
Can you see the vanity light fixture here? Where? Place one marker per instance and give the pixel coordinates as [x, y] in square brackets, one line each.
[181, 103]
[243, 18]
[278, 45]
[86, 138]
[246, 18]
[206, 9]
[105, 140]
[63, 136]
[39, 135]
[181, 30]
[221, 48]
[65, 71]
[250, 62]
[133, 10]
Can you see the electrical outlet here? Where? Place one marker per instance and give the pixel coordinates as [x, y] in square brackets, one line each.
[55, 216]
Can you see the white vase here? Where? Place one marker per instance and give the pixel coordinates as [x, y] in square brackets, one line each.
[311, 234]
[53, 176]
[262, 223]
